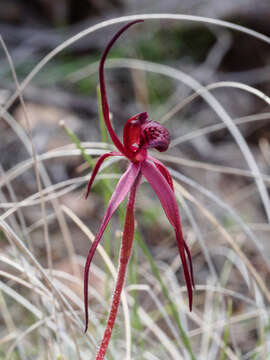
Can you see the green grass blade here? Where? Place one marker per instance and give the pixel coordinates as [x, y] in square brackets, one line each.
[165, 292]
[103, 130]
[74, 138]
[226, 335]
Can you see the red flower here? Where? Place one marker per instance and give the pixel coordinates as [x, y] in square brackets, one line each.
[139, 134]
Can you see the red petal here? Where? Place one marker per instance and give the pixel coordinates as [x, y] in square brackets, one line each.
[126, 247]
[190, 263]
[169, 204]
[104, 101]
[96, 168]
[163, 171]
[125, 183]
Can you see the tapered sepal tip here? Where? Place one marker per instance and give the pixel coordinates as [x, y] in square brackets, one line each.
[104, 101]
[160, 182]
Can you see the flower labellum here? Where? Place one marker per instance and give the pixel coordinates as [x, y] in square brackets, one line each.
[139, 134]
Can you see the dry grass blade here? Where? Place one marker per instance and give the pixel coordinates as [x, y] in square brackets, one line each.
[7, 317]
[225, 292]
[179, 17]
[160, 307]
[19, 338]
[221, 84]
[233, 320]
[20, 281]
[229, 239]
[19, 243]
[225, 206]
[20, 299]
[7, 338]
[20, 132]
[39, 185]
[212, 128]
[160, 334]
[200, 238]
[212, 167]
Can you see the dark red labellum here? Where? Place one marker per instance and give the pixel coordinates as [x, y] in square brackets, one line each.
[140, 134]
[156, 136]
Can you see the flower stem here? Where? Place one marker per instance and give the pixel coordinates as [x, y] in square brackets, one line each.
[113, 311]
[127, 240]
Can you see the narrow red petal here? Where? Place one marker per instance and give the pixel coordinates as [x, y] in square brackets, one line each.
[190, 263]
[168, 177]
[188, 275]
[96, 168]
[126, 247]
[104, 101]
[123, 187]
[166, 196]
[164, 171]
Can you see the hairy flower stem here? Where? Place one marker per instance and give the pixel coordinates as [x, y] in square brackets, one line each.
[126, 247]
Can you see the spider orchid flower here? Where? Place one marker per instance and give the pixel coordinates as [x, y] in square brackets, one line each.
[139, 134]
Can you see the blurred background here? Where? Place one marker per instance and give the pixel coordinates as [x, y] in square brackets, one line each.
[208, 53]
[203, 150]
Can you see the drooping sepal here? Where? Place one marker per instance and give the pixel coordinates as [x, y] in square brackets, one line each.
[122, 189]
[167, 199]
[163, 170]
[96, 168]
